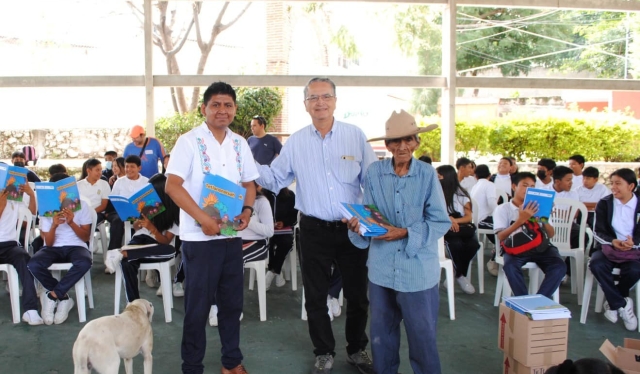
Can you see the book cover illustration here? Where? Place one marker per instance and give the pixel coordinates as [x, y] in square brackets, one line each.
[145, 202]
[369, 216]
[52, 197]
[544, 198]
[11, 179]
[222, 200]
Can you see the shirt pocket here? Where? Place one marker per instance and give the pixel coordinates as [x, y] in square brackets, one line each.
[348, 171]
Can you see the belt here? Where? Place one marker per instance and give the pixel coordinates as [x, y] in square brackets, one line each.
[323, 223]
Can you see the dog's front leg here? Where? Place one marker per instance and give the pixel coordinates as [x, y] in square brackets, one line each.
[128, 365]
[148, 362]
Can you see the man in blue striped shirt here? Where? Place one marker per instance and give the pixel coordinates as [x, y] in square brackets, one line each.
[404, 268]
[328, 160]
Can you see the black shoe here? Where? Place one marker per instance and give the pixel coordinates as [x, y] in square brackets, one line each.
[324, 364]
[362, 362]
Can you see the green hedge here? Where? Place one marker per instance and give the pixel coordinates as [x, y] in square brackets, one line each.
[597, 136]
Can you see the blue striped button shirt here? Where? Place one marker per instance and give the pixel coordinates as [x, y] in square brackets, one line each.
[328, 171]
[414, 201]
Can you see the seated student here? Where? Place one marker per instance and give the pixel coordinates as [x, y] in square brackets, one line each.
[12, 252]
[118, 170]
[160, 230]
[57, 169]
[514, 165]
[618, 232]
[285, 215]
[461, 239]
[466, 169]
[576, 164]
[507, 219]
[109, 158]
[563, 183]
[125, 186]
[590, 192]
[502, 180]
[484, 193]
[545, 171]
[65, 238]
[259, 231]
[93, 188]
[19, 159]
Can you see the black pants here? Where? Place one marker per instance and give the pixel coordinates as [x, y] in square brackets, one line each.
[116, 230]
[131, 264]
[255, 252]
[461, 251]
[39, 264]
[212, 269]
[322, 244]
[12, 253]
[279, 248]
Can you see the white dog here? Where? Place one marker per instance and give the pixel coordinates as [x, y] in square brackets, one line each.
[103, 341]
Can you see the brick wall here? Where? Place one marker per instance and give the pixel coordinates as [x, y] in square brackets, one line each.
[278, 47]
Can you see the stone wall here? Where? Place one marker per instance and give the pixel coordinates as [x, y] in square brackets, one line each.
[65, 143]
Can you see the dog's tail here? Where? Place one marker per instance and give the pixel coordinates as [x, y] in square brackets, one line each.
[81, 364]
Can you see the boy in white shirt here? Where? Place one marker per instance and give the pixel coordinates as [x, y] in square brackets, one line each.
[590, 192]
[65, 237]
[545, 171]
[576, 164]
[502, 180]
[466, 173]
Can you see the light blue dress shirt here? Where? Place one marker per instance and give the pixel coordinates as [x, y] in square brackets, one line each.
[414, 201]
[328, 171]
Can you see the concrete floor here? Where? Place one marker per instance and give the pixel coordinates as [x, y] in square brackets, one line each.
[281, 344]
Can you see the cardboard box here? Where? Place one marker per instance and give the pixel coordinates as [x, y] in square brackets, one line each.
[626, 358]
[511, 366]
[532, 343]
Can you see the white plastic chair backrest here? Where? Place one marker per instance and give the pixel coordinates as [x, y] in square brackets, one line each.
[24, 216]
[561, 219]
[501, 194]
[474, 212]
[94, 222]
[441, 248]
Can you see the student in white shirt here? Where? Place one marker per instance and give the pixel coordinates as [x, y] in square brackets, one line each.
[590, 192]
[466, 173]
[93, 188]
[502, 180]
[485, 194]
[576, 164]
[65, 238]
[544, 174]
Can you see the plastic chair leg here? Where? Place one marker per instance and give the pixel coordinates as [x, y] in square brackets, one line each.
[586, 297]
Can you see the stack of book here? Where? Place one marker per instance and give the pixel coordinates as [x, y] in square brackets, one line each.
[537, 307]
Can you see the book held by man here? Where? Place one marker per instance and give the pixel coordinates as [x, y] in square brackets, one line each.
[144, 202]
[53, 197]
[544, 199]
[537, 307]
[222, 200]
[369, 217]
[11, 179]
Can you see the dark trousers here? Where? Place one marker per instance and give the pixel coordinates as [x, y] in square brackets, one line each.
[461, 251]
[322, 244]
[419, 311]
[116, 230]
[12, 253]
[131, 264]
[212, 269]
[335, 285]
[601, 268]
[80, 257]
[279, 248]
[255, 252]
[548, 261]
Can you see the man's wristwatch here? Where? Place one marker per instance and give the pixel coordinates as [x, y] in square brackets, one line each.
[248, 207]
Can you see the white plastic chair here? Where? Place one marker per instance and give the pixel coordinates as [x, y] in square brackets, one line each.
[257, 270]
[484, 232]
[101, 237]
[24, 215]
[480, 253]
[163, 267]
[83, 285]
[503, 287]
[562, 220]
[447, 264]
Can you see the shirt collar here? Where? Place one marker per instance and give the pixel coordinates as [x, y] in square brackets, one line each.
[631, 203]
[334, 127]
[388, 167]
[206, 130]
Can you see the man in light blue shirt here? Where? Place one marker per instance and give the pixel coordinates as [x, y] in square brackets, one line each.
[328, 160]
[404, 268]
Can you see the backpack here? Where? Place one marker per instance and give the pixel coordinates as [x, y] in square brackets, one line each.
[530, 237]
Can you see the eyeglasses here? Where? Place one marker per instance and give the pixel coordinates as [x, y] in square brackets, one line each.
[315, 98]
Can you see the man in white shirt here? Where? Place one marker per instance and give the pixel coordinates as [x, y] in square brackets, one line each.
[502, 180]
[466, 173]
[126, 186]
[11, 252]
[576, 164]
[65, 238]
[544, 174]
[212, 263]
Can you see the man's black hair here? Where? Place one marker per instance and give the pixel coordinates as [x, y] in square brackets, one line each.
[590, 171]
[218, 88]
[560, 172]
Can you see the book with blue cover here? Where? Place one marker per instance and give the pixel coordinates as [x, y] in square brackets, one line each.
[544, 198]
[222, 200]
[144, 202]
[52, 197]
[369, 217]
[537, 307]
[11, 179]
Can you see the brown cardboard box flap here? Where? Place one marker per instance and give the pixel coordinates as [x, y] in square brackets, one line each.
[625, 357]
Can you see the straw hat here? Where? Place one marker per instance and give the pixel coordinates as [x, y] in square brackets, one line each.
[401, 125]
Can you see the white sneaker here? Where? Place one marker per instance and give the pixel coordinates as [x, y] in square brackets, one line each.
[611, 315]
[334, 306]
[280, 281]
[32, 317]
[178, 291]
[465, 285]
[627, 315]
[48, 307]
[213, 316]
[492, 268]
[151, 279]
[112, 262]
[268, 279]
[329, 312]
[159, 291]
[62, 312]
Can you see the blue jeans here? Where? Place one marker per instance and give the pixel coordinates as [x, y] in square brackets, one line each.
[419, 310]
[549, 262]
[601, 268]
[80, 257]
